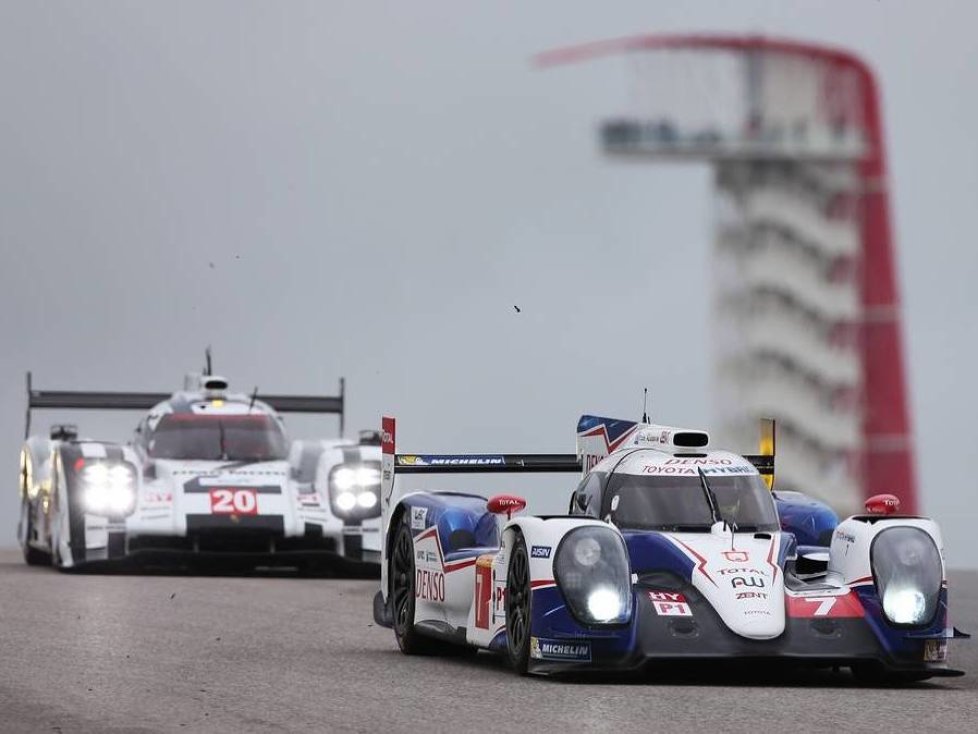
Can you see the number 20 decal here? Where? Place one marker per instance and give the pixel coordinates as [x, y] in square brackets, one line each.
[234, 502]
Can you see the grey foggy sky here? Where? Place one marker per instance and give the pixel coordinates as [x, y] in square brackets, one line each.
[378, 184]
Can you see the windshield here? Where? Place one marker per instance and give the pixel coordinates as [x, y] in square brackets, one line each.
[218, 438]
[679, 503]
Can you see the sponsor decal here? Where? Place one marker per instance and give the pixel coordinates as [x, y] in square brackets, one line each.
[430, 585]
[688, 471]
[430, 557]
[845, 537]
[699, 462]
[741, 571]
[540, 551]
[736, 556]
[739, 581]
[227, 501]
[461, 460]
[418, 517]
[669, 604]
[935, 651]
[590, 461]
[751, 595]
[419, 554]
[544, 649]
[735, 470]
[157, 497]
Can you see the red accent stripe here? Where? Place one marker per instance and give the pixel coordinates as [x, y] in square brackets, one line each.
[701, 566]
[770, 556]
[602, 430]
[863, 580]
[449, 567]
[458, 565]
[539, 583]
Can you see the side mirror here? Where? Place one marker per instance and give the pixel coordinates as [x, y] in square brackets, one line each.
[506, 503]
[883, 504]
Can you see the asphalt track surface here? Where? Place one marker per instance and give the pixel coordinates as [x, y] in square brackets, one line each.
[87, 653]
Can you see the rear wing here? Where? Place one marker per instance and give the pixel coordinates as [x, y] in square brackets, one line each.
[95, 400]
[394, 463]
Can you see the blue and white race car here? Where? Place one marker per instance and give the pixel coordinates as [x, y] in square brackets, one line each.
[670, 550]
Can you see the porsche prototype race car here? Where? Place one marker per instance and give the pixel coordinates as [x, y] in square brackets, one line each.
[670, 550]
[209, 475]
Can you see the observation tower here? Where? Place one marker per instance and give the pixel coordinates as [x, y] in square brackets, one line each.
[806, 307]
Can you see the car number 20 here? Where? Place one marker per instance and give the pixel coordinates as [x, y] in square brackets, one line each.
[234, 501]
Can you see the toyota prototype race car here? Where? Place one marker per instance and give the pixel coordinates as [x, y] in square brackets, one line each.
[670, 550]
[208, 476]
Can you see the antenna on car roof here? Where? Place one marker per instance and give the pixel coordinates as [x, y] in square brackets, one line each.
[645, 407]
[208, 367]
[254, 397]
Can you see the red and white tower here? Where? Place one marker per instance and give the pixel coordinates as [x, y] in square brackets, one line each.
[807, 313]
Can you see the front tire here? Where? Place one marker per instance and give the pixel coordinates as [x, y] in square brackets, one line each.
[518, 607]
[32, 556]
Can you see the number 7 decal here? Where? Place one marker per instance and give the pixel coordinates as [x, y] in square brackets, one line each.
[825, 604]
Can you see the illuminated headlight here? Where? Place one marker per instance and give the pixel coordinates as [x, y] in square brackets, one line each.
[354, 490]
[108, 489]
[592, 571]
[346, 501]
[908, 572]
[347, 477]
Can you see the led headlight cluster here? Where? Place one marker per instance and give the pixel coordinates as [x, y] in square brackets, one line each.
[354, 490]
[592, 571]
[108, 488]
[908, 572]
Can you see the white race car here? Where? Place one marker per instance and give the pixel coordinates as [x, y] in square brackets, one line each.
[670, 550]
[208, 475]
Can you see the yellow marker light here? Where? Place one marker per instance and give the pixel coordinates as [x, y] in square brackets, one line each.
[767, 447]
[217, 403]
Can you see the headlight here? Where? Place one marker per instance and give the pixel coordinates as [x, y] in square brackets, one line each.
[348, 477]
[908, 573]
[354, 490]
[108, 489]
[591, 567]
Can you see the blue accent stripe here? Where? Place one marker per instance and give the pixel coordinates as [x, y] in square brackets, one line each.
[651, 551]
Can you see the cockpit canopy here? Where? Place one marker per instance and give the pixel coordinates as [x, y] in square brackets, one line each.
[653, 490]
[216, 437]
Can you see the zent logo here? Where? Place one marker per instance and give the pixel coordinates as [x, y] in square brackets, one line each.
[226, 501]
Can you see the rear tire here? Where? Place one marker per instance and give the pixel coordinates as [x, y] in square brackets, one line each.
[401, 573]
[518, 607]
